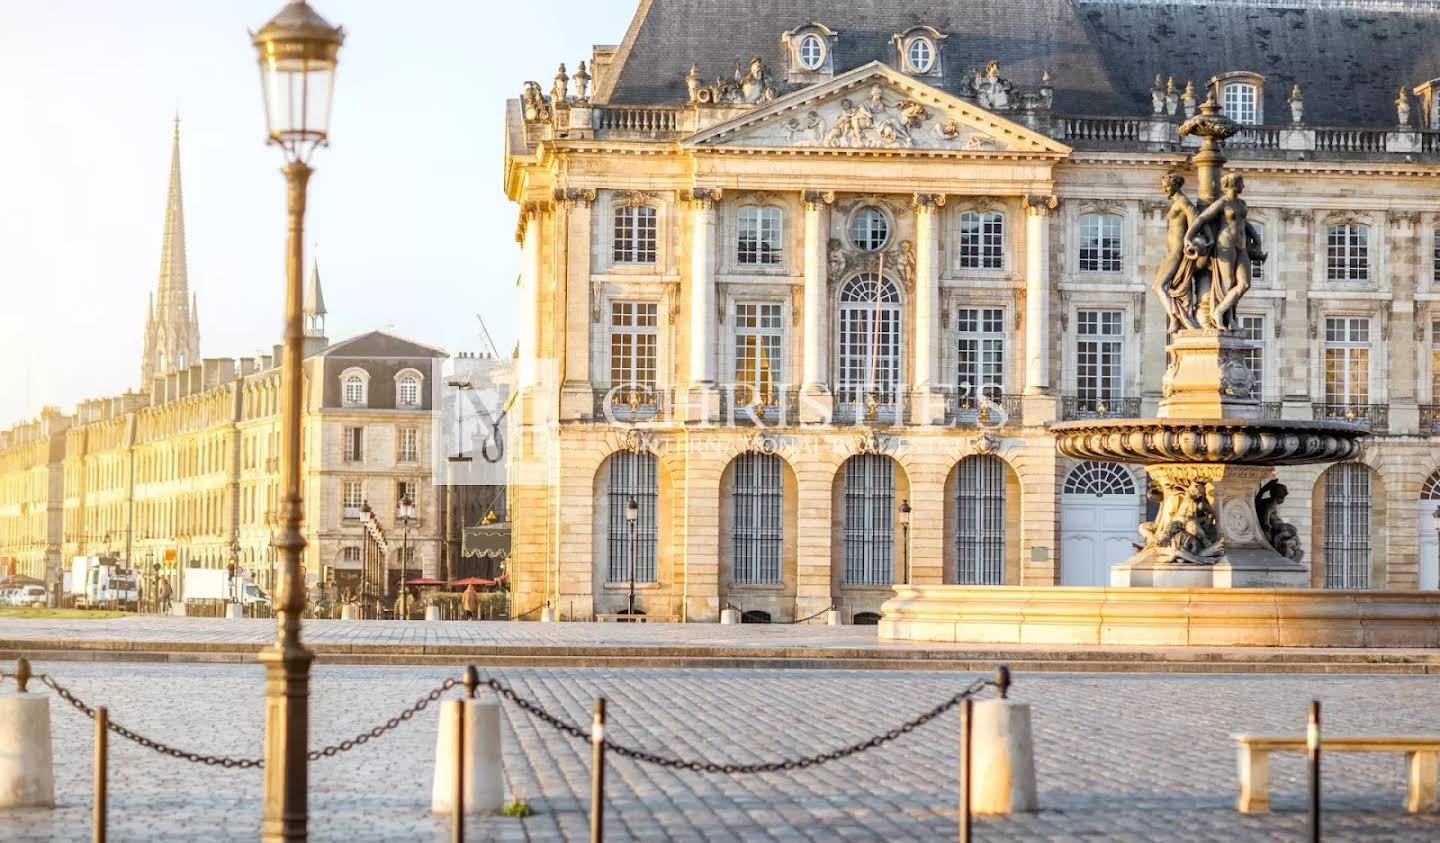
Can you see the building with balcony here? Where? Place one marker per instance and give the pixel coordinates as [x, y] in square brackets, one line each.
[851, 256]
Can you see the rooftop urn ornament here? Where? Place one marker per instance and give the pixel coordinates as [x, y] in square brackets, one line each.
[1402, 108]
[1187, 99]
[1297, 105]
[692, 84]
[1172, 97]
[1157, 95]
[560, 90]
[1047, 88]
[582, 84]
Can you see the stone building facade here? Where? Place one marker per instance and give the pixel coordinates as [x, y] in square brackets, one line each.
[31, 489]
[815, 316]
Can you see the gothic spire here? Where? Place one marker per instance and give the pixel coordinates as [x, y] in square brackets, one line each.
[314, 303]
[172, 332]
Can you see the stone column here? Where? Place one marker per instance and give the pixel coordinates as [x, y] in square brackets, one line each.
[1039, 399]
[815, 399]
[1399, 333]
[704, 400]
[1295, 312]
[575, 206]
[925, 409]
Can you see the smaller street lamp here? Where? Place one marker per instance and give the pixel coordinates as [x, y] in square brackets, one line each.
[1435, 516]
[632, 518]
[405, 514]
[905, 530]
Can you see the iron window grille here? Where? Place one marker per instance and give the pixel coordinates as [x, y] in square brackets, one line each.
[980, 521]
[757, 533]
[869, 530]
[1347, 526]
[634, 475]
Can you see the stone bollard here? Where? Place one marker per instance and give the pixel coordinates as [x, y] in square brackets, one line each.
[484, 778]
[234, 611]
[349, 612]
[730, 616]
[27, 769]
[1002, 760]
[547, 615]
[432, 613]
[832, 618]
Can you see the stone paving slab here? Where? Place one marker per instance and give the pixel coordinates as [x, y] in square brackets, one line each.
[1119, 757]
[498, 643]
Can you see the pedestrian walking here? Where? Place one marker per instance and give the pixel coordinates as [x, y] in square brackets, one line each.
[470, 602]
[165, 594]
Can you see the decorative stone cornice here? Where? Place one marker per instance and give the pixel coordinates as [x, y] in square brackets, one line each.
[571, 197]
[813, 199]
[927, 202]
[1153, 207]
[634, 198]
[530, 210]
[1402, 217]
[638, 441]
[1298, 216]
[704, 197]
[1038, 204]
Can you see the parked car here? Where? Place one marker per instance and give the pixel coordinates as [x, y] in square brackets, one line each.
[29, 595]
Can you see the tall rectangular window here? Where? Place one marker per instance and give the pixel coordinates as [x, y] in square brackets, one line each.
[1252, 329]
[353, 444]
[869, 520]
[1347, 526]
[759, 240]
[757, 494]
[1100, 245]
[1435, 255]
[633, 343]
[406, 490]
[636, 230]
[1347, 360]
[1257, 268]
[759, 327]
[1099, 356]
[409, 446]
[352, 495]
[980, 351]
[982, 240]
[1435, 362]
[1347, 252]
[1240, 102]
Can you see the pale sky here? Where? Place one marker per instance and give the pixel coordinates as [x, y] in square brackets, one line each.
[407, 207]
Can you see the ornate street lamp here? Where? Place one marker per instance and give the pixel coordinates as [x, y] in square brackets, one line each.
[1435, 516]
[405, 514]
[632, 518]
[905, 529]
[298, 51]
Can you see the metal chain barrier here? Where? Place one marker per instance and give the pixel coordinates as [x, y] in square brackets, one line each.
[250, 763]
[814, 616]
[786, 765]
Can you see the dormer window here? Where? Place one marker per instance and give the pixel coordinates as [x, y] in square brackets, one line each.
[1241, 96]
[808, 54]
[811, 52]
[918, 51]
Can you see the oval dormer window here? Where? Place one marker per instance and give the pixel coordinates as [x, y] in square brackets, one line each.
[920, 54]
[869, 229]
[811, 52]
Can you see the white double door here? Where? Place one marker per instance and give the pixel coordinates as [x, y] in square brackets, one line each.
[1429, 561]
[1096, 532]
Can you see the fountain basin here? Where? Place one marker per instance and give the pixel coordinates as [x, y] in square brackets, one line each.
[1164, 617]
[1231, 441]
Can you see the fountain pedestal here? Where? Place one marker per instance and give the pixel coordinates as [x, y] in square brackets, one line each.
[1208, 377]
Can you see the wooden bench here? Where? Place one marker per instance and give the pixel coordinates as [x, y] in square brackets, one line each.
[635, 618]
[1421, 754]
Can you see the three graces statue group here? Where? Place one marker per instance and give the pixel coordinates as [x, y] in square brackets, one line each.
[1209, 256]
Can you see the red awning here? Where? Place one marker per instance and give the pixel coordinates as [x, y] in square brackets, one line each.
[478, 581]
[425, 581]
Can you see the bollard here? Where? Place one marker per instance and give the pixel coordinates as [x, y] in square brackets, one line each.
[547, 615]
[102, 763]
[1002, 754]
[349, 612]
[966, 714]
[730, 616]
[432, 613]
[457, 796]
[234, 611]
[1312, 752]
[597, 774]
[832, 618]
[482, 778]
[27, 770]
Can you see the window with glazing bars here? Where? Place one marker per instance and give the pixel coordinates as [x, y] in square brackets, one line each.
[980, 521]
[870, 334]
[1347, 360]
[1347, 252]
[1240, 103]
[1099, 354]
[757, 534]
[633, 341]
[1435, 255]
[409, 447]
[407, 392]
[982, 240]
[1257, 269]
[1100, 243]
[352, 496]
[632, 475]
[1435, 362]
[759, 235]
[1347, 526]
[353, 444]
[869, 520]
[759, 329]
[636, 230]
[980, 351]
[1252, 328]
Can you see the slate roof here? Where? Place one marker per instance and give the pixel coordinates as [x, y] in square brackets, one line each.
[1349, 56]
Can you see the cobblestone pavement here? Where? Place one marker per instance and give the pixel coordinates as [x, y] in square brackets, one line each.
[1120, 757]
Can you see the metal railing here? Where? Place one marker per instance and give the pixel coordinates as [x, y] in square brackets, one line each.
[1374, 417]
[870, 408]
[631, 403]
[1074, 407]
[962, 407]
[746, 405]
[1430, 419]
[1430, 141]
[650, 121]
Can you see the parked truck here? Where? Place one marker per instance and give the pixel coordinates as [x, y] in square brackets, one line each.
[217, 584]
[102, 582]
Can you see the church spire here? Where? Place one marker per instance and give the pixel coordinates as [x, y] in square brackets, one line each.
[314, 304]
[172, 332]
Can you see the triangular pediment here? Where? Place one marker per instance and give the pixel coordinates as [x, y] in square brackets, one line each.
[874, 108]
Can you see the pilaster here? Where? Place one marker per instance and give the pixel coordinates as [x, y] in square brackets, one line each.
[703, 401]
[816, 402]
[926, 406]
[574, 212]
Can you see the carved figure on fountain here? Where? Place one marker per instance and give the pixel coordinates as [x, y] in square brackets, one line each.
[1174, 282]
[1222, 240]
[1281, 534]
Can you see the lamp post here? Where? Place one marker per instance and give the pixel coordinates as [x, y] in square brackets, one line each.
[405, 514]
[297, 51]
[632, 518]
[1435, 516]
[365, 516]
[905, 531]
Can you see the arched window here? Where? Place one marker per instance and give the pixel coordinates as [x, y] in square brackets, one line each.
[869, 520]
[866, 619]
[1100, 244]
[407, 389]
[982, 240]
[1431, 490]
[1347, 252]
[758, 236]
[1347, 526]
[757, 533]
[920, 54]
[1241, 102]
[355, 387]
[755, 616]
[636, 234]
[869, 229]
[1099, 479]
[810, 54]
[870, 337]
[632, 475]
[980, 521]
